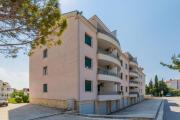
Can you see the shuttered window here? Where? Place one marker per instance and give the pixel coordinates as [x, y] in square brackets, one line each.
[88, 85]
[88, 62]
[88, 40]
[45, 88]
[45, 53]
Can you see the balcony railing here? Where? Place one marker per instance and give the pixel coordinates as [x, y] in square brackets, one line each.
[133, 71]
[133, 82]
[107, 72]
[110, 35]
[133, 90]
[107, 53]
[134, 93]
[111, 93]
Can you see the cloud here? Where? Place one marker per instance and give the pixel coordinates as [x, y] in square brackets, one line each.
[17, 80]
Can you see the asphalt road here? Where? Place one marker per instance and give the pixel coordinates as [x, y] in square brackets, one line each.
[172, 108]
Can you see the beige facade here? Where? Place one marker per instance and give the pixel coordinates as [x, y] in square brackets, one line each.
[88, 72]
[175, 83]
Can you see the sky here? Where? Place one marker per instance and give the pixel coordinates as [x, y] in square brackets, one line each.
[149, 29]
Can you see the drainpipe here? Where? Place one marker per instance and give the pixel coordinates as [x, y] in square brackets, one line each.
[78, 44]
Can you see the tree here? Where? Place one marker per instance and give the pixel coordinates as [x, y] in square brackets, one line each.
[163, 87]
[175, 65]
[147, 89]
[27, 24]
[156, 86]
[151, 87]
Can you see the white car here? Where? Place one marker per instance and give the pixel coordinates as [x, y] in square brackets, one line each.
[3, 102]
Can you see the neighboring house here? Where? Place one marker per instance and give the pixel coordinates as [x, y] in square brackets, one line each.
[88, 72]
[26, 91]
[175, 84]
[5, 90]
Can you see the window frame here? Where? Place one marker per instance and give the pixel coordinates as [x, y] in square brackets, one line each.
[45, 70]
[126, 66]
[45, 88]
[45, 53]
[121, 75]
[126, 89]
[91, 86]
[87, 67]
[91, 42]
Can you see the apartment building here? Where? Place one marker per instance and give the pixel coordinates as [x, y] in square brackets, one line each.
[5, 90]
[88, 72]
[173, 83]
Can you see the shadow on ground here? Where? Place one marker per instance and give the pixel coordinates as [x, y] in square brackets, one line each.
[169, 114]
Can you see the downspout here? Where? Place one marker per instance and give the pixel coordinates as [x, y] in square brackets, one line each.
[78, 44]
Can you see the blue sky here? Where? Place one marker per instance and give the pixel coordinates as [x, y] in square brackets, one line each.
[149, 29]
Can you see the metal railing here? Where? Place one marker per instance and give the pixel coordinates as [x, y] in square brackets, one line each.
[109, 34]
[133, 82]
[134, 93]
[110, 93]
[107, 53]
[107, 72]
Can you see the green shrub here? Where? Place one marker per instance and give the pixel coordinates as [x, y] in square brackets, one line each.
[18, 99]
[25, 98]
[12, 100]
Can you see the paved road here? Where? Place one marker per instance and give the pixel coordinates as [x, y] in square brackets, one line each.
[28, 112]
[145, 109]
[172, 108]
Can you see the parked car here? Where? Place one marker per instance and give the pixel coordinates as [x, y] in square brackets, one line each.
[168, 95]
[3, 102]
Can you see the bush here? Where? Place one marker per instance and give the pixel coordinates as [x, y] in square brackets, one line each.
[12, 100]
[18, 99]
[25, 99]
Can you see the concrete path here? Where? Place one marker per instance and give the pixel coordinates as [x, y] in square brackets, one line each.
[172, 108]
[25, 111]
[145, 109]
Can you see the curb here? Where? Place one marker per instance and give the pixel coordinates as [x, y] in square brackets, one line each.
[160, 114]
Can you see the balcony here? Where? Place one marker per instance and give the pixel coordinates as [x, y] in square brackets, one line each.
[108, 37]
[133, 74]
[103, 55]
[133, 90]
[107, 75]
[114, 95]
[133, 94]
[133, 63]
[133, 84]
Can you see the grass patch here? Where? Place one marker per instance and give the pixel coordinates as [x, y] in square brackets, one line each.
[12, 100]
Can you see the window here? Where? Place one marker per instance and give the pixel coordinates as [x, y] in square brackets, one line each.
[126, 89]
[88, 62]
[45, 70]
[121, 76]
[45, 88]
[126, 66]
[88, 40]
[121, 88]
[45, 53]
[126, 77]
[88, 86]
[121, 62]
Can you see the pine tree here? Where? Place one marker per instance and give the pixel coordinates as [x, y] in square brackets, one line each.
[151, 87]
[26, 24]
[175, 65]
[156, 86]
